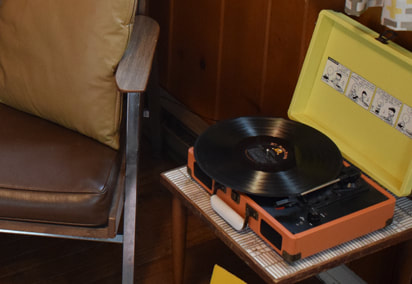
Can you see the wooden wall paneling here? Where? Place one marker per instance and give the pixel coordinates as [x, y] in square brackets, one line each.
[283, 60]
[193, 54]
[312, 9]
[160, 11]
[291, 30]
[227, 58]
[242, 58]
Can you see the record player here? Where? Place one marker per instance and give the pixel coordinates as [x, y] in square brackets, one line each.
[329, 174]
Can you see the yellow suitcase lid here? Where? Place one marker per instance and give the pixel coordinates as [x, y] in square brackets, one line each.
[358, 91]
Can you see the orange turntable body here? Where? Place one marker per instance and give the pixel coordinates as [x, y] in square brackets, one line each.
[354, 89]
[291, 246]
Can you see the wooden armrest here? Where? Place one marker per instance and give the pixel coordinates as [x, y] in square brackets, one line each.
[134, 68]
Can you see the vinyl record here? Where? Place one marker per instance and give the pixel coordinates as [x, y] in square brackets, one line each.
[267, 156]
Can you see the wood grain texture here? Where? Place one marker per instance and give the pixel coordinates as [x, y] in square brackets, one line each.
[134, 69]
[161, 10]
[229, 58]
[243, 56]
[194, 53]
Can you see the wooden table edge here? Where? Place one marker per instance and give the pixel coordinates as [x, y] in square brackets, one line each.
[301, 274]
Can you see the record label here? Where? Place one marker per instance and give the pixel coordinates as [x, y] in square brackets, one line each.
[267, 153]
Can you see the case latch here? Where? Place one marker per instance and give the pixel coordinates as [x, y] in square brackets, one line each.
[386, 35]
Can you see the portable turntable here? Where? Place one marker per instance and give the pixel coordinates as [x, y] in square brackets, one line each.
[308, 184]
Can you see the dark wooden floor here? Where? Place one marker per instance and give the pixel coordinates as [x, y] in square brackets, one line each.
[25, 259]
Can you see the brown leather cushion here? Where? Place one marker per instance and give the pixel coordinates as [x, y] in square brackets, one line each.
[58, 58]
[51, 174]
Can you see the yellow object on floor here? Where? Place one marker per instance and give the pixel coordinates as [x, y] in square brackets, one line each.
[222, 276]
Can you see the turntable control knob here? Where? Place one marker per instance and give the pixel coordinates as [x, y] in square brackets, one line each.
[314, 217]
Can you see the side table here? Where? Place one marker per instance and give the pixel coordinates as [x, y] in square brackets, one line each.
[255, 252]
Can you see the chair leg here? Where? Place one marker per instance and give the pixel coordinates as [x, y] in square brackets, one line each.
[129, 246]
[134, 103]
[129, 237]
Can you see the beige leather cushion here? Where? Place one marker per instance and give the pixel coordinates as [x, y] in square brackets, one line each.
[58, 58]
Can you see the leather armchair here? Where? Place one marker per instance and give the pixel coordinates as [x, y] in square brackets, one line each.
[70, 119]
